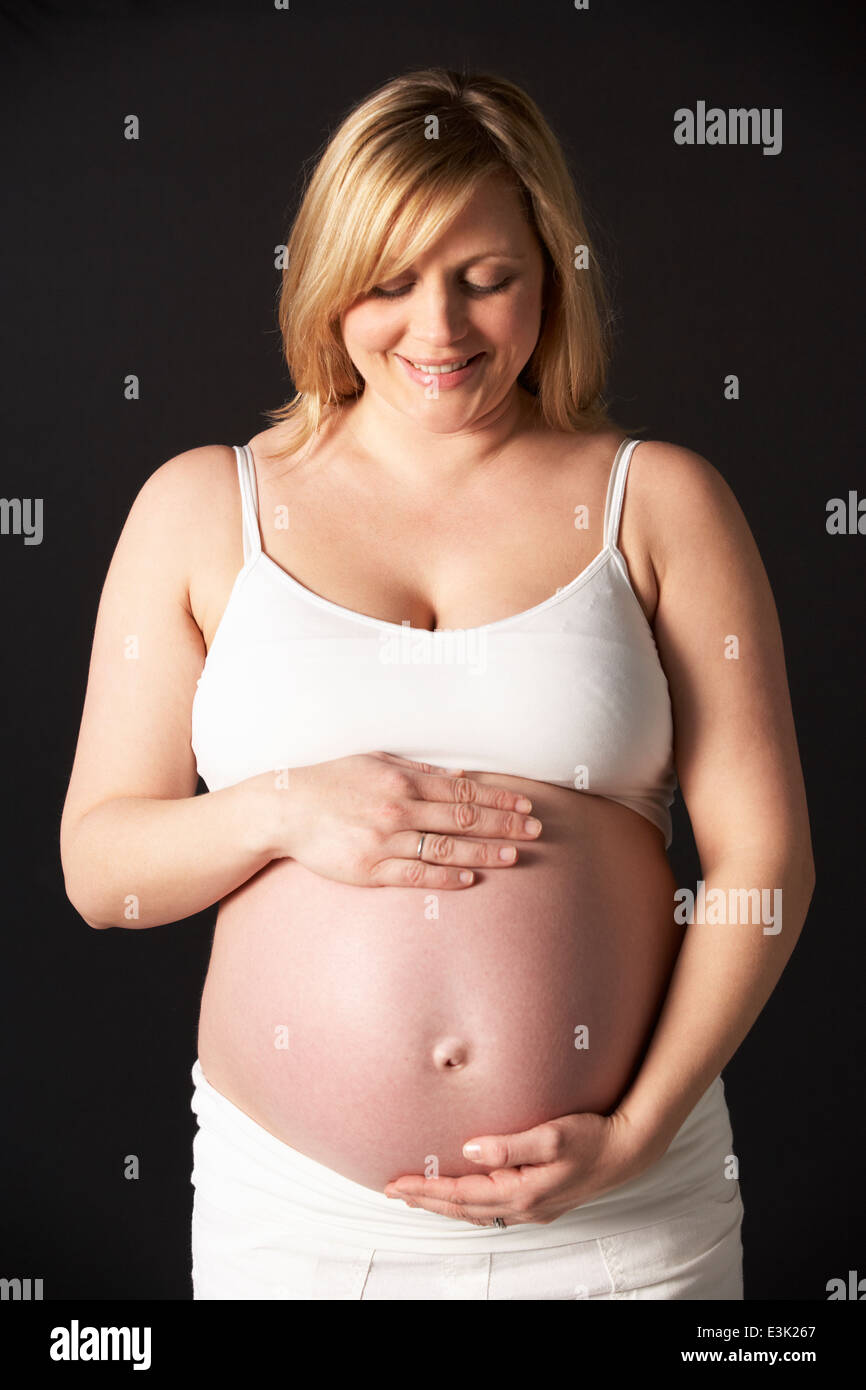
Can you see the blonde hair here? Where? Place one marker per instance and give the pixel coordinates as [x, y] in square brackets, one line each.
[383, 191]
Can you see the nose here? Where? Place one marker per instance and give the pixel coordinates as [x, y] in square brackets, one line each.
[438, 315]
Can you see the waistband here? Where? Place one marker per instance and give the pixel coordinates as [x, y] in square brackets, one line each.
[246, 1172]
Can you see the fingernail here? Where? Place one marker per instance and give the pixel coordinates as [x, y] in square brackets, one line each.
[466, 876]
[505, 853]
[531, 825]
[471, 1150]
[523, 804]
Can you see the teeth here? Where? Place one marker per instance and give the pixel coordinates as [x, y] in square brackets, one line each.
[439, 371]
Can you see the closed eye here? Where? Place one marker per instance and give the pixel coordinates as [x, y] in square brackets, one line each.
[378, 293]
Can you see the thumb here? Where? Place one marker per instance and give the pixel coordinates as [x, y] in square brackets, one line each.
[510, 1150]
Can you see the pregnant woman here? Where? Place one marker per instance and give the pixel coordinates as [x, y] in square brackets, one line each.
[440, 642]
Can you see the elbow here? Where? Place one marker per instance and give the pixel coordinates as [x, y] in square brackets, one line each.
[90, 910]
[82, 913]
[75, 884]
[97, 926]
[801, 883]
[811, 880]
[805, 861]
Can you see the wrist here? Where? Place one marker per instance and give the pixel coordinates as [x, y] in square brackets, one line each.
[641, 1136]
[271, 812]
[259, 809]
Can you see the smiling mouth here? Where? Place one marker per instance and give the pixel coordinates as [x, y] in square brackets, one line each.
[442, 368]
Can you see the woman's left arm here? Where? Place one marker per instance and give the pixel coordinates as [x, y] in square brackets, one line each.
[718, 636]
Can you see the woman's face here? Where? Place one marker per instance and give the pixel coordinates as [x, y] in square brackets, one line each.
[475, 294]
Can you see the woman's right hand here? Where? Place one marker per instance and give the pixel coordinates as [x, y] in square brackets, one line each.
[359, 820]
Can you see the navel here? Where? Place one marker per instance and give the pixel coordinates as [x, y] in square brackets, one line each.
[450, 1053]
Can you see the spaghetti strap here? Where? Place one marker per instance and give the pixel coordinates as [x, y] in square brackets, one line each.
[615, 490]
[249, 501]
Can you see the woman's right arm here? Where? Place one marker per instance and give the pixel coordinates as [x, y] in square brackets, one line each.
[138, 847]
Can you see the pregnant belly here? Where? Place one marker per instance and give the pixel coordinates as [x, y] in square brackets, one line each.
[377, 1029]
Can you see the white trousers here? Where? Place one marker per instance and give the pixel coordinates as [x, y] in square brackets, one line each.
[271, 1223]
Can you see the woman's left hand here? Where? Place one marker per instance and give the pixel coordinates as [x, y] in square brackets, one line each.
[538, 1174]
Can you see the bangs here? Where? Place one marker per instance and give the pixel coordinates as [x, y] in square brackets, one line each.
[394, 229]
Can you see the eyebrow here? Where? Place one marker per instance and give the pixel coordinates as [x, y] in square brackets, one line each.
[481, 256]
[500, 255]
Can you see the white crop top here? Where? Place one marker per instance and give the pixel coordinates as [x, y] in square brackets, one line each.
[570, 692]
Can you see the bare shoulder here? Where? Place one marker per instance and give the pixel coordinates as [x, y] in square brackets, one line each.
[184, 510]
[675, 476]
[679, 507]
[190, 477]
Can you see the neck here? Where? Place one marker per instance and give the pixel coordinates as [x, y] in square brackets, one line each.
[411, 454]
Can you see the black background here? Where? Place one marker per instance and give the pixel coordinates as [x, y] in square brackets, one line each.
[156, 257]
